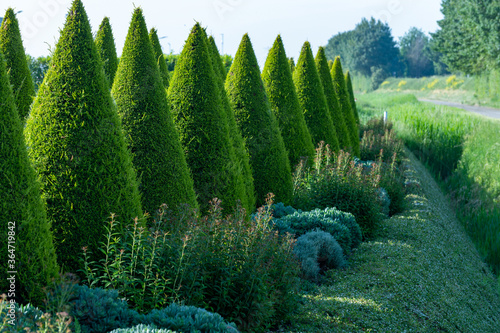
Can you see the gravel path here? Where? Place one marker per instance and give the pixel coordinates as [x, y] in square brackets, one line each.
[484, 111]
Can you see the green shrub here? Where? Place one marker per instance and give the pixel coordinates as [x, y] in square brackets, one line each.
[241, 152]
[383, 146]
[150, 132]
[142, 329]
[285, 105]
[11, 45]
[338, 181]
[345, 105]
[78, 147]
[352, 100]
[105, 43]
[203, 126]
[291, 63]
[332, 100]
[317, 252]
[258, 125]
[312, 99]
[159, 57]
[27, 243]
[279, 210]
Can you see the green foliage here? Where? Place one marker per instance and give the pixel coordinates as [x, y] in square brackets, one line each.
[78, 147]
[105, 43]
[259, 127]
[332, 100]
[159, 57]
[38, 68]
[151, 135]
[279, 210]
[291, 62]
[350, 91]
[141, 328]
[338, 181]
[312, 99]
[347, 111]
[171, 60]
[416, 53]
[285, 105]
[317, 252]
[227, 61]
[241, 152]
[27, 245]
[11, 45]
[203, 126]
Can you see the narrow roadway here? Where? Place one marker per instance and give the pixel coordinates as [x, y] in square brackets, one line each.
[484, 111]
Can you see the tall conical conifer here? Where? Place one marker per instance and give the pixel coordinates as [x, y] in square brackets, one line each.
[22, 213]
[345, 105]
[280, 90]
[268, 156]
[11, 45]
[240, 149]
[331, 99]
[202, 125]
[312, 99]
[291, 63]
[150, 132]
[78, 147]
[106, 48]
[350, 91]
[159, 57]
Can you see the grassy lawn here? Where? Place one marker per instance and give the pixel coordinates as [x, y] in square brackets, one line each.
[421, 273]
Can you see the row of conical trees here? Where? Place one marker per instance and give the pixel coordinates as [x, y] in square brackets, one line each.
[124, 137]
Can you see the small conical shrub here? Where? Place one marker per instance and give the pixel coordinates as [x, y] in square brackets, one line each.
[26, 246]
[350, 91]
[202, 125]
[150, 132]
[330, 65]
[106, 48]
[78, 147]
[291, 63]
[312, 99]
[160, 58]
[345, 105]
[280, 89]
[331, 99]
[240, 149]
[11, 45]
[268, 156]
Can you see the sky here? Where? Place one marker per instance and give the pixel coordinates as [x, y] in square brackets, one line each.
[297, 21]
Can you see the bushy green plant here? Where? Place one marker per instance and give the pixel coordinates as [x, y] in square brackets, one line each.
[11, 45]
[258, 125]
[241, 152]
[159, 57]
[332, 100]
[317, 252]
[285, 105]
[105, 43]
[338, 181]
[27, 242]
[384, 146]
[78, 147]
[312, 99]
[291, 63]
[151, 135]
[345, 105]
[141, 328]
[279, 210]
[203, 126]
[350, 91]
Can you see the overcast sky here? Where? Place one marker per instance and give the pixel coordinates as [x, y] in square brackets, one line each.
[296, 20]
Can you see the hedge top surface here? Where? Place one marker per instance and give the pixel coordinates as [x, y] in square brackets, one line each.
[312, 99]
[11, 45]
[268, 156]
[160, 58]
[150, 131]
[105, 43]
[285, 104]
[332, 100]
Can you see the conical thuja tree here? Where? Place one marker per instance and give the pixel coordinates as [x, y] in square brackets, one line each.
[291, 63]
[78, 147]
[331, 99]
[159, 57]
[345, 105]
[106, 48]
[11, 45]
[26, 246]
[202, 125]
[312, 99]
[268, 156]
[151, 135]
[280, 90]
[350, 91]
[241, 152]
